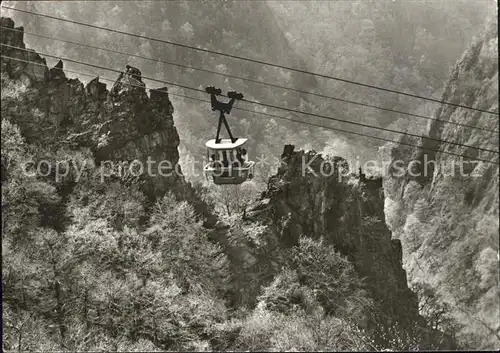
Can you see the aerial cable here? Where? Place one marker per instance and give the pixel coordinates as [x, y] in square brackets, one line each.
[251, 60]
[368, 126]
[102, 67]
[266, 104]
[250, 80]
[265, 114]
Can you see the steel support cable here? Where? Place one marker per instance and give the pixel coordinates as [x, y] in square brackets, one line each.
[249, 80]
[249, 60]
[369, 126]
[262, 104]
[265, 114]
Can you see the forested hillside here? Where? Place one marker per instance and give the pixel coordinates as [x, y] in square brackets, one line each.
[94, 259]
[100, 252]
[409, 46]
[447, 219]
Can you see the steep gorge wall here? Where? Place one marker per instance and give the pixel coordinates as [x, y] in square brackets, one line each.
[447, 221]
[344, 210]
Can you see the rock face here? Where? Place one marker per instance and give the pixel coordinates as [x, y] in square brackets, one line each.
[345, 212]
[120, 126]
[447, 220]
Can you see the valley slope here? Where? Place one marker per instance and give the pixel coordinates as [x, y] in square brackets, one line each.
[446, 216]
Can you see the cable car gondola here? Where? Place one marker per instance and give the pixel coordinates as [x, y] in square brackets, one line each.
[228, 160]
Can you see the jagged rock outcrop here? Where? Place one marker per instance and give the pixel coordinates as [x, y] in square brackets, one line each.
[317, 197]
[120, 126]
[34, 68]
[446, 214]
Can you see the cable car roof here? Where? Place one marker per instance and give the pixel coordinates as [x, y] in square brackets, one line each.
[225, 144]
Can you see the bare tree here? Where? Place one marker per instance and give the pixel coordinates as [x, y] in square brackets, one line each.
[233, 199]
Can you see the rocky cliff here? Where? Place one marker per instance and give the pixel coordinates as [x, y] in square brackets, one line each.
[120, 126]
[319, 197]
[446, 214]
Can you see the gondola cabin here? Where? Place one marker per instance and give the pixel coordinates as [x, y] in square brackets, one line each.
[228, 162]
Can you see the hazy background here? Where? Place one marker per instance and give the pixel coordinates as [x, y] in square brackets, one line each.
[403, 45]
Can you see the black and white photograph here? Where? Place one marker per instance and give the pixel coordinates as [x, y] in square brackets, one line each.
[250, 175]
